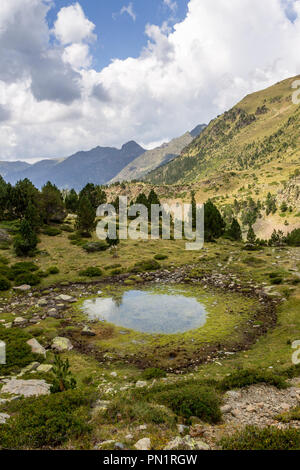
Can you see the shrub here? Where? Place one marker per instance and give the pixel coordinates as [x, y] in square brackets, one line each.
[293, 238]
[26, 241]
[153, 373]
[276, 281]
[91, 272]
[27, 278]
[21, 268]
[4, 283]
[160, 257]
[292, 415]
[115, 272]
[52, 231]
[191, 400]
[3, 260]
[147, 265]
[67, 228]
[47, 421]
[53, 270]
[244, 378]
[252, 438]
[63, 379]
[138, 411]
[18, 353]
[94, 247]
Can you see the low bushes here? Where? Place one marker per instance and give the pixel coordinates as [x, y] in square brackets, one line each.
[138, 411]
[30, 279]
[4, 283]
[146, 265]
[244, 378]
[52, 231]
[53, 270]
[91, 272]
[18, 353]
[47, 421]
[160, 257]
[93, 247]
[252, 438]
[153, 373]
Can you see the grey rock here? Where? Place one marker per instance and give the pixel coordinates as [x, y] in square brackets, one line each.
[143, 444]
[61, 344]
[3, 418]
[36, 347]
[28, 388]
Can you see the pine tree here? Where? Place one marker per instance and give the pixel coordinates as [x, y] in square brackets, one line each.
[235, 232]
[26, 241]
[214, 224]
[85, 217]
[251, 237]
[52, 203]
[71, 201]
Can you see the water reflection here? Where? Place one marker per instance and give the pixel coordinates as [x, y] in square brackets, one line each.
[148, 311]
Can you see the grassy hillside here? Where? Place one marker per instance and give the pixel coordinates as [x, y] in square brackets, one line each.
[260, 133]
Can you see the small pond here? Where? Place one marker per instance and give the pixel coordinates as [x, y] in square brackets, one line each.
[149, 311]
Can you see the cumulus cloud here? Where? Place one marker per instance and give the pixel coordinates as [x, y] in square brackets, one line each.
[4, 113]
[72, 26]
[171, 4]
[217, 54]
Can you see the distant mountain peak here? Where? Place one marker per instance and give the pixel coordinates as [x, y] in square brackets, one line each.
[131, 146]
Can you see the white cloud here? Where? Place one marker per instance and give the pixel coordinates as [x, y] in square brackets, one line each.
[52, 102]
[72, 26]
[171, 4]
[129, 10]
[77, 55]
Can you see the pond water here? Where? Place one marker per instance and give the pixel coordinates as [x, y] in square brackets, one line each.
[149, 311]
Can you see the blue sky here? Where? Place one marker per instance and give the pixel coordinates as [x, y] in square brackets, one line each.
[119, 36]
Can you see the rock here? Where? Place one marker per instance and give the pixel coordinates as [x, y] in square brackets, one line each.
[28, 388]
[61, 344]
[105, 443]
[23, 288]
[3, 418]
[19, 321]
[186, 443]
[233, 394]
[36, 347]
[182, 428]
[197, 430]
[30, 367]
[129, 437]
[42, 303]
[44, 368]
[4, 236]
[114, 374]
[142, 427]
[66, 298]
[87, 331]
[143, 444]
[251, 409]
[226, 409]
[53, 313]
[141, 384]
[119, 446]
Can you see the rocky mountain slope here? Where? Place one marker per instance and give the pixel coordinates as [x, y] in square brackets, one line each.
[260, 132]
[152, 159]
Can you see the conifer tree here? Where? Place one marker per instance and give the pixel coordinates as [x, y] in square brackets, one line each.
[85, 217]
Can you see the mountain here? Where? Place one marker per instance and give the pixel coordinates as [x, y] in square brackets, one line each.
[152, 159]
[96, 166]
[9, 167]
[259, 135]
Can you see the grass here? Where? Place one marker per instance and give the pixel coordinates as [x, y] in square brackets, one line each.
[263, 439]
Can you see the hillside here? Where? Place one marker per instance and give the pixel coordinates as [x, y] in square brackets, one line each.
[96, 166]
[260, 133]
[152, 159]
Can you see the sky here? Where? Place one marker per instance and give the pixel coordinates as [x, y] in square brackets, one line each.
[77, 74]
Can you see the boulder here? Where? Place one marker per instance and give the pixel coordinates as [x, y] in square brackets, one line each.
[186, 443]
[87, 331]
[141, 384]
[3, 418]
[66, 298]
[23, 288]
[19, 321]
[143, 444]
[44, 368]
[61, 344]
[36, 347]
[28, 388]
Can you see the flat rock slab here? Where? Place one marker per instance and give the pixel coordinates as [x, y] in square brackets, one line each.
[36, 347]
[22, 288]
[28, 388]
